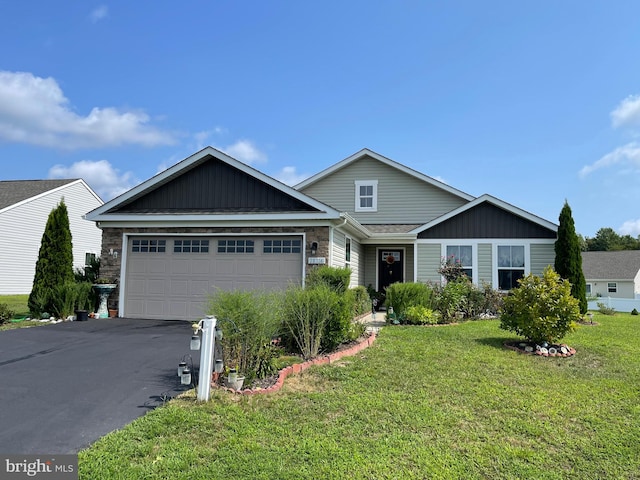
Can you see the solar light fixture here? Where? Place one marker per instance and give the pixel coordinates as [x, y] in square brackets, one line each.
[185, 379]
[181, 367]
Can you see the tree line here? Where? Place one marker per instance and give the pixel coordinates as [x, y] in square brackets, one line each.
[607, 239]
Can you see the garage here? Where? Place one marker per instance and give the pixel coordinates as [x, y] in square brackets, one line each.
[171, 277]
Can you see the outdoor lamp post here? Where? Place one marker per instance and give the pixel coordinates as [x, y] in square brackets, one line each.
[208, 328]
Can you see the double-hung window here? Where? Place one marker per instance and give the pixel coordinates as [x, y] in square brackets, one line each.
[510, 266]
[366, 196]
[462, 255]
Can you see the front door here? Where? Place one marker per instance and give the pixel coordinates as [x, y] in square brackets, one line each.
[390, 268]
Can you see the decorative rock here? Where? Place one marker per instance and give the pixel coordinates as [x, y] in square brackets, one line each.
[528, 348]
[552, 351]
[543, 351]
[563, 349]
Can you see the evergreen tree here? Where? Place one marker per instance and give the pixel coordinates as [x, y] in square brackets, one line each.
[55, 261]
[568, 263]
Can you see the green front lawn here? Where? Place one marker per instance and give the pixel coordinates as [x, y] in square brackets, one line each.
[422, 402]
[17, 303]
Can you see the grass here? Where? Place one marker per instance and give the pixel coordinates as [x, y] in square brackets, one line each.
[17, 303]
[439, 402]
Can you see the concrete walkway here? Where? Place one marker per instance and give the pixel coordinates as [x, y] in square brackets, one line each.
[374, 321]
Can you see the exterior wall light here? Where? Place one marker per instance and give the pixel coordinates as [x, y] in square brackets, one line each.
[314, 248]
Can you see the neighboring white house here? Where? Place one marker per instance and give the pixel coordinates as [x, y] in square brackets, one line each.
[25, 206]
[612, 274]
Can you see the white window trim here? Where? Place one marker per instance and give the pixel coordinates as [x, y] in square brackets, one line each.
[374, 203]
[510, 243]
[589, 288]
[474, 256]
[612, 285]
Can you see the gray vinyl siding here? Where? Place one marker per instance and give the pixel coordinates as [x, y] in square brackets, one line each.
[356, 263]
[22, 228]
[339, 256]
[337, 259]
[541, 256]
[485, 273]
[429, 262]
[370, 263]
[402, 198]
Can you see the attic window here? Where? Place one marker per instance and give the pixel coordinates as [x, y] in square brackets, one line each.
[366, 196]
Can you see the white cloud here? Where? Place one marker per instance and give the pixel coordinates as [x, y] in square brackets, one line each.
[106, 181]
[627, 113]
[630, 227]
[627, 155]
[34, 110]
[245, 151]
[99, 13]
[289, 176]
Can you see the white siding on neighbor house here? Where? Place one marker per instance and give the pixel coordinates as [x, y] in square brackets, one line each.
[402, 198]
[428, 262]
[600, 288]
[21, 230]
[542, 255]
[485, 274]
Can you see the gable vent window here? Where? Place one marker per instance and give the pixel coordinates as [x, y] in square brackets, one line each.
[281, 246]
[366, 196]
[148, 246]
[191, 246]
[235, 246]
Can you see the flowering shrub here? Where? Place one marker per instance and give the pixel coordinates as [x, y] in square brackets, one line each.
[451, 269]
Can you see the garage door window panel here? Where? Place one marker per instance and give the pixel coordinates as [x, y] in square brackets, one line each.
[191, 246]
[282, 246]
[148, 246]
[235, 246]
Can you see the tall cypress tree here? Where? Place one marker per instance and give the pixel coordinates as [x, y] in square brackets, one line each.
[55, 260]
[568, 261]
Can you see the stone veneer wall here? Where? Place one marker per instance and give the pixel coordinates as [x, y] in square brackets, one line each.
[112, 241]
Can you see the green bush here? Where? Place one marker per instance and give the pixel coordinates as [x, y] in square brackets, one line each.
[337, 330]
[306, 314]
[451, 299]
[361, 300]
[5, 313]
[605, 310]
[634, 312]
[249, 320]
[420, 315]
[401, 296]
[337, 278]
[541, 308]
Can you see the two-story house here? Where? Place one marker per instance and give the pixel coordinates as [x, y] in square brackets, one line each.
[213, 222]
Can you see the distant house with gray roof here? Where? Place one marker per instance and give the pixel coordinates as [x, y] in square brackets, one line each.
[24, 208]
[612, 274]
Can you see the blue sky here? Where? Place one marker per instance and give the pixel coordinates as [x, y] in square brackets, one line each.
[532, 102]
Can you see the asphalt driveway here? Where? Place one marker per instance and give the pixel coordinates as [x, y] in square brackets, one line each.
[64, 386]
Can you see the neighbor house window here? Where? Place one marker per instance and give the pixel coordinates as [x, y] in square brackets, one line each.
[191, 246]
[612, 287]
[235, 246]
[282, 246]
[588, 289]
[89, 258]
[366, 196]
[462, 254]
[510, 266]
[148, 246]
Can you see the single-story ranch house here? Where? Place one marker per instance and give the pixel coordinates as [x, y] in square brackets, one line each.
[211, 222]
[613, 274]
[25, 206]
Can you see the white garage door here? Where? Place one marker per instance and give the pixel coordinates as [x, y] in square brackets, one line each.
[172, 277]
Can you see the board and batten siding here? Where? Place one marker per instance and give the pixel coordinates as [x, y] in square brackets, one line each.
[402, 198]
[542, 255]
[22, 226]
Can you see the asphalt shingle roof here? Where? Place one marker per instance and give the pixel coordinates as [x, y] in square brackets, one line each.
[15, 191]
[619, 265]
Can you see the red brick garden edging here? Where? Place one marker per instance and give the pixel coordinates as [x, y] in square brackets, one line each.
[300, 367]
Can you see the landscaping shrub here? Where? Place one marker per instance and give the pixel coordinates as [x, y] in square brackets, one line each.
[420, 315]
[452, 299]
[634, 312]
[401, 296]
[249, 320]
[541, 308]
[361, 300]
[337, 278]
[451, 269]
[338, 328]
[605, 310]
[306, 312]
[5, 313]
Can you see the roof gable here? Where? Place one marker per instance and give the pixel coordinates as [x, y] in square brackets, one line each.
[365, 152]
[617, 265]
[13, 192]
[488, 217]
[210, 183]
